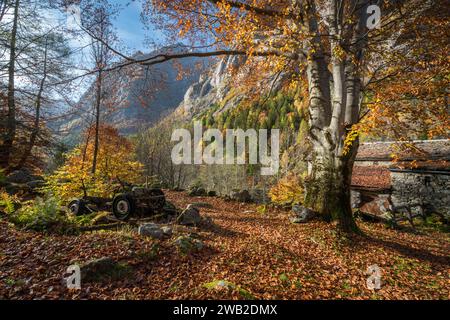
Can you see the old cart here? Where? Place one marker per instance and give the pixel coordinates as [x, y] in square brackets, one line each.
[129, 202]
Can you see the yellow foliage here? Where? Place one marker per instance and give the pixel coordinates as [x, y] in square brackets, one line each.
[115, 160]
[349, 140]
[8, 203]
[288, 191]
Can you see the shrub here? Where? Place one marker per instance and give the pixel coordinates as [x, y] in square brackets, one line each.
[8, 203]
[115, 161]
[42, 215]
[288, 191]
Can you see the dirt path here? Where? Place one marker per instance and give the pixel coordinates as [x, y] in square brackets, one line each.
[260, 253]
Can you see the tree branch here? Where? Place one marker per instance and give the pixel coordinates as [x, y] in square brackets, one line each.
[247, 7]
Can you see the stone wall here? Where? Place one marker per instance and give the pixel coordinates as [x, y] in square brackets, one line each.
[427, 191]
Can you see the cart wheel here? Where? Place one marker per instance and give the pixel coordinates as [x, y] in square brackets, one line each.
[77, 207]
[123, 207]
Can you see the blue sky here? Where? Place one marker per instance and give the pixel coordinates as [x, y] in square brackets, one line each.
[130, 29]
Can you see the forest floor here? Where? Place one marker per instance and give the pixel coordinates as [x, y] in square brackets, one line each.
[261, 254]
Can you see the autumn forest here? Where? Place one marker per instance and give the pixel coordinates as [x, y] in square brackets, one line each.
[253, 150]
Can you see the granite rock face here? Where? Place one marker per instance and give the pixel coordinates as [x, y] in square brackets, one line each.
[212, 87]
[216, 86]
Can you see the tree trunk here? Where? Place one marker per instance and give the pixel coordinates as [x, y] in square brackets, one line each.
[97, 121]
[328, 187]
[35, 132]
[8, 141]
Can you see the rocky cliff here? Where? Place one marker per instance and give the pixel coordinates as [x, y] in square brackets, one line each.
[217, 86]
[212, 87]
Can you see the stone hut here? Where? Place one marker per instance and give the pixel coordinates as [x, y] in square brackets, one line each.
[393, 177]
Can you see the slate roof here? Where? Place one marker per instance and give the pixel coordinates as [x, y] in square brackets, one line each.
[424, 150]
[371, 177]
[431, 156]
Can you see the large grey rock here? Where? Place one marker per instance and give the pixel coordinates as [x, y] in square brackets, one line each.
[195, 191]
[380, 206]
[301, 214]
[97, 268]
[241, 196]
[217, 86]
[22, 176]
[213, 86]
[259, 196]
[188, 244]
[167, 231]
[151, 230]
[104, 269]
[190, 216]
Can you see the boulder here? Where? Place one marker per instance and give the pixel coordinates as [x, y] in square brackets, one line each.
[188, 244]
[167, 231]
[378, 206]
[97, 268]
[151, 230]
[170, 208]
[301, 214]
[104, 269]
[212, 194]
[241, 196]
[22, 176]
[190, 216]
[195, 191]
[259, 196]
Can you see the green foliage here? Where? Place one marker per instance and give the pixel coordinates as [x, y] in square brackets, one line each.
[42, 215]
[85, 220]
[274, 112]
[284, 279]
[149, 255]
[8, 203]
[262, 209]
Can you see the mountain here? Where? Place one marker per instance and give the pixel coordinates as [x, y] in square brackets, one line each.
[137, 96]
[212, 87]
[216, 87]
